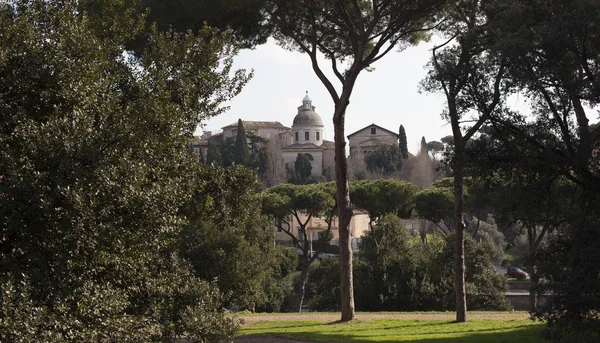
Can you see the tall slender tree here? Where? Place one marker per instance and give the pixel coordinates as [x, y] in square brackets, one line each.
[353, 35]
[402, 143]
[242, 152]
[471, 80]
[424, 149]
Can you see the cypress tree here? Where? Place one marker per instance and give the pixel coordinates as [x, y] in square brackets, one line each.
[302, 169]
[402, 144]
[424, 147]
[242, 153]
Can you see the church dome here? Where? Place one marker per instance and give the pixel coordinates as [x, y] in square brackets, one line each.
[308, 118]
[306, 114]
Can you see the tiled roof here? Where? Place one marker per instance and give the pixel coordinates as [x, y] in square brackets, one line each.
[373, 125]
[296, 146]
[254, 125]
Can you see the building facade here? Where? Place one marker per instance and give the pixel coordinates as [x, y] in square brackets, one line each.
[307, 139]
[369, 138]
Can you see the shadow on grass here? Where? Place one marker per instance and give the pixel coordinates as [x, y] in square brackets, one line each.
[441, 332]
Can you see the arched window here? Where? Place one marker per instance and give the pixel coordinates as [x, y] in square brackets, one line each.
[310, 157]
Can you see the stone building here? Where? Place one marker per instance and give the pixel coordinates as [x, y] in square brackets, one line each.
[369, 138]
[307, 139]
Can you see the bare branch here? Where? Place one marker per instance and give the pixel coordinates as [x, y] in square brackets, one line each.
[491, 108]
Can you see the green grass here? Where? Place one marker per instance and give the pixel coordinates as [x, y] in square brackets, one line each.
[403, 330]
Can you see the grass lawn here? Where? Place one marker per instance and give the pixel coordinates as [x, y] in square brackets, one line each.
[403, 330]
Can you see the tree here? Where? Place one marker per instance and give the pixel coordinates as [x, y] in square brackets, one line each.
[447, 140]
[403, 275]
[560, 81]
[380, 197]
[226, 239]
[212, 155]
[436, 204]
[471, 80]
[94, 171]
[536, 203]
[435, 147]
[228, 152]
[287, 202]
[352, 35]
[385, 160]
[242, 153]
[302, 170]
[385, 253]
[552, 50]
[402, 142]
[422, 171]
[245, 19]
[424, 147]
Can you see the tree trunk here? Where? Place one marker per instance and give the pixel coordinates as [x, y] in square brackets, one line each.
[303, 278]
[344, 213]
[459, 257]
[533, 277]
[534, 280]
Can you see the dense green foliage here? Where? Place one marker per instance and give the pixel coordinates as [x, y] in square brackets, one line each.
[226, 239]
[436, 204]
[380, 197]
[290, 205]
[401, 274]
[244, 18]
[551, 53]
[300, 175]
[385, 160]
[94, 171]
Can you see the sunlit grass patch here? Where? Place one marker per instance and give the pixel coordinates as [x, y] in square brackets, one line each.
[403, 330]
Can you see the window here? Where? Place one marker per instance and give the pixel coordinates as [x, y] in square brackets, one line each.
[306, 136]
[318, 135]
[373, 130]
[297, 136]
[197, 150]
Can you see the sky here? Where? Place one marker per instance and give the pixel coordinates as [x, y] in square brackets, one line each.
[387, 96]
